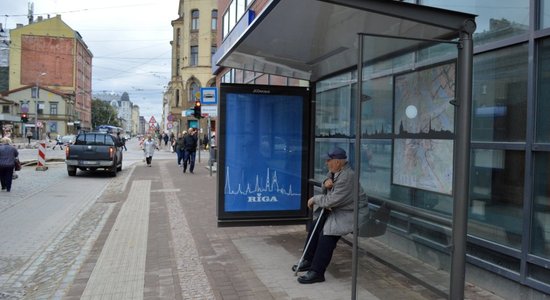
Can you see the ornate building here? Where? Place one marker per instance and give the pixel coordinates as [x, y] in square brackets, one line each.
[194, 42]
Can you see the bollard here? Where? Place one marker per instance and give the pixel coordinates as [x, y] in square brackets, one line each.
[41, 165]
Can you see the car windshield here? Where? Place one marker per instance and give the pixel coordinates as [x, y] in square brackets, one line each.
[95, 139]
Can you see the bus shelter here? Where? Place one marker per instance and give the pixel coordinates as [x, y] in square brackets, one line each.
[312, 39]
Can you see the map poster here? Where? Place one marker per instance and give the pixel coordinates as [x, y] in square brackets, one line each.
[423, 129]
[262, 143]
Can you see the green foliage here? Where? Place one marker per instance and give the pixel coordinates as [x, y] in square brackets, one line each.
[103, 114]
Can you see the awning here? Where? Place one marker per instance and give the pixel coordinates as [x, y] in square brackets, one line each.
[309, 39]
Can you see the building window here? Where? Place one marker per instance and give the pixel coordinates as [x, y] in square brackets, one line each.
[177, 98]
[40, 108]
[195, 20]
[194, 92]
[178, 37]
[500, 95]
[214, 22]
[543, 92]
[194, 57]
[5, 109]
[540, 239]
[544, 14]
[494, 21]
[225, 24]
[53, 108]
[496, 196]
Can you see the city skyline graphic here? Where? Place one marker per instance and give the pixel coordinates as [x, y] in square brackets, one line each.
[271, 186]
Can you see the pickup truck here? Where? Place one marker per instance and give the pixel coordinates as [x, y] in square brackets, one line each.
[92, 151]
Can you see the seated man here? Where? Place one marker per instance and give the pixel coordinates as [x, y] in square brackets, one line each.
[337, 219]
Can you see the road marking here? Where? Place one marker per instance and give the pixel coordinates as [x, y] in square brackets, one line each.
[120, 269]
[166, 191]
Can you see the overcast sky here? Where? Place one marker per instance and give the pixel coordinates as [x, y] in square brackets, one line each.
[129, 39]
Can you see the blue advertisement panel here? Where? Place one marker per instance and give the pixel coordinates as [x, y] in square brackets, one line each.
[262, 170]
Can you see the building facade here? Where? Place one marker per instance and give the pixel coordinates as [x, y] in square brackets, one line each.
[51, 54]
[194, 42]
[508, 242]
[54, 110]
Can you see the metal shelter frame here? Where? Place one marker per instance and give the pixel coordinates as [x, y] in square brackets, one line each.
[312, 39]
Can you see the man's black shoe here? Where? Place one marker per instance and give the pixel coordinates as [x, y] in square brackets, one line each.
[304, 266]
[311, 277]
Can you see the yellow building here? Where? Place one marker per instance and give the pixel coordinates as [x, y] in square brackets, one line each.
[194, 42]
[49, 53]
[53, 109]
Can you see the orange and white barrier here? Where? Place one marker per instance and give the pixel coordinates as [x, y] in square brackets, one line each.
[41, 165]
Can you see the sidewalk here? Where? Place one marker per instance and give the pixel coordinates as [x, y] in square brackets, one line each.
[188, 257]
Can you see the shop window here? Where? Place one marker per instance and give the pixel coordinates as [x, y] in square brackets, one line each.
[543, 93]
[496, 20]
[540, 224]
[496, 196]
[500, 95]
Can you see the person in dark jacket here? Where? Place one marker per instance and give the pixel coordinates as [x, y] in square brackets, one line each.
[8, 155]
[179, 147]
[337, 218]
[190, 148]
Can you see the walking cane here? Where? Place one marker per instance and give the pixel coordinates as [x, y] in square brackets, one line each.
[309, 241]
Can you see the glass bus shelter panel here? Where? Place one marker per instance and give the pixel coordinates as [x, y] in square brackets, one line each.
[407, 143]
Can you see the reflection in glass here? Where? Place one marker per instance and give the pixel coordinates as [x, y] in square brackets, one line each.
[540, 226]
[543, 93]
[496, 19]
[496, 196]
[500, 95]
[333, 113]
[375, 173]
[544, 13]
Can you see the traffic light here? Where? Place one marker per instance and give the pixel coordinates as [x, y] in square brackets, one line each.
[24, 117]
[197, 110]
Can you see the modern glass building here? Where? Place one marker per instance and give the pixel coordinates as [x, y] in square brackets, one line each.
[407, 115]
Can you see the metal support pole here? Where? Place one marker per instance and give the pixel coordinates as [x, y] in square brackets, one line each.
[357, 166]
[462, 161]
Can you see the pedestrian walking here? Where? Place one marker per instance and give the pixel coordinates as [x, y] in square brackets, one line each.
[58, 142]
[190, 147]
[149, 147]
[29, 135]
[179, 147]
[165, 138]
[336, 203]
[8, 155]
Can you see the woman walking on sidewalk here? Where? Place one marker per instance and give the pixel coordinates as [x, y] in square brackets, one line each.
[8, 155]
[149, 147]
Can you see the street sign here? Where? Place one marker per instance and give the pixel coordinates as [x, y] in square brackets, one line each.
[209, 95]
[39, 124]
[152, 120]
[210, 110]
[169, 125]
[170, 118]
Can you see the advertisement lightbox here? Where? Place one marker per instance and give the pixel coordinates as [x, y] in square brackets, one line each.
[262, 159]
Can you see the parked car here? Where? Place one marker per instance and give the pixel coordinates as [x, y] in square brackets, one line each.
[68, 139]
[92, 151]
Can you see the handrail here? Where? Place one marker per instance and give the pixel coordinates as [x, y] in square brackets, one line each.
[399, 207]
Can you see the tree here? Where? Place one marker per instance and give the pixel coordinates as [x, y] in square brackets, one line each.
[103, 114]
